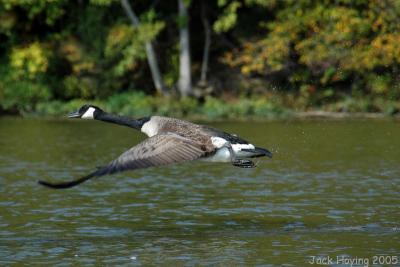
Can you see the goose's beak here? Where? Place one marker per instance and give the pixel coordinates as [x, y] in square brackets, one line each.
[74, 114]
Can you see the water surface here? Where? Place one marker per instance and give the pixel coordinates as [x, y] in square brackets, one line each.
[332, 189]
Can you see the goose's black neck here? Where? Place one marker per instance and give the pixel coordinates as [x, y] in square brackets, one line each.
[121, 120]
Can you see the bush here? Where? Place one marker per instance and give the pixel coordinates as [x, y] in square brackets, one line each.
[20, 94]
[135, 104]
[58, 108]
[215, 108]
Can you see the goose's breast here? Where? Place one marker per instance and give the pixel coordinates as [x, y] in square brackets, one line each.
[151, 127]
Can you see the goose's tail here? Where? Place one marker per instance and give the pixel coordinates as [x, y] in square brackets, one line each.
[257, 152]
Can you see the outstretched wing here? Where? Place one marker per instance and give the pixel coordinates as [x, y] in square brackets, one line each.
[161, 149]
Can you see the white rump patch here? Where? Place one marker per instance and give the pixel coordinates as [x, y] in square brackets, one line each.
[88, 115]
[238, 147]
[150, 128]
[223, 154]
[218, 142]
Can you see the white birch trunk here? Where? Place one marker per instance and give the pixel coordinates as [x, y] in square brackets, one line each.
[185, 79]
[207, 43]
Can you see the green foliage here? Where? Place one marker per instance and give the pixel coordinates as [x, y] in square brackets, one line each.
[262, 3]
[126, 45]
[102, 2]
[171, 75]
[135, 104]
[228, 19]
[21, 94]
[214, 108]
[8, 20]
[22, 84]
[176, 108]
[59, 108]
[52, 9]
[28, 61]
[79, 87]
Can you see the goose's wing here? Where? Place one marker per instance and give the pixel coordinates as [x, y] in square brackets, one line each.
[161, 149]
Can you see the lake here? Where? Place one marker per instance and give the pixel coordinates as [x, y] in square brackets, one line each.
[331, 190]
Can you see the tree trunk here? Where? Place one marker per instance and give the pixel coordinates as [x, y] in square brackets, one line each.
[151, 55]
[185, 80]
[207, 43]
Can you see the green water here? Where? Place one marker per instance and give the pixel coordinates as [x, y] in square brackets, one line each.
[332, 189]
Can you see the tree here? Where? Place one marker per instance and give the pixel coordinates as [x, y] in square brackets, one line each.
[185, 80]
[207, 43]
[151, 55]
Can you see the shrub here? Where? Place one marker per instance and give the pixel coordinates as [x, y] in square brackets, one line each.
[134, 103]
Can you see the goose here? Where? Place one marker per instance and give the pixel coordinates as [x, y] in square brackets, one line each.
[170, 141]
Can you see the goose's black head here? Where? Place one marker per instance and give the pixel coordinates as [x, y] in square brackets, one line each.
[86, 112]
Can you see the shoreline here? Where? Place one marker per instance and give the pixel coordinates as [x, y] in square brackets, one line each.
[319, 114]
[290, 115]
[134, 104]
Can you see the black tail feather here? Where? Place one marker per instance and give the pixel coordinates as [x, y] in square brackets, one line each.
[259, 152]
[265, 151]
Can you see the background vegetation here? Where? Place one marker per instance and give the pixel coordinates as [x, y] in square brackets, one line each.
[258, 58]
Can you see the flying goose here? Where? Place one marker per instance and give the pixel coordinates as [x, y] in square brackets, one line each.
[170, 141]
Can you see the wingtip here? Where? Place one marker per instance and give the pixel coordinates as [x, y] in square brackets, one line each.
[51, 185]
[69, 184]
[44, 183]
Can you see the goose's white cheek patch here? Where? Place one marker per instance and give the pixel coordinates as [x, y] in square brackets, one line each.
[88, 115]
